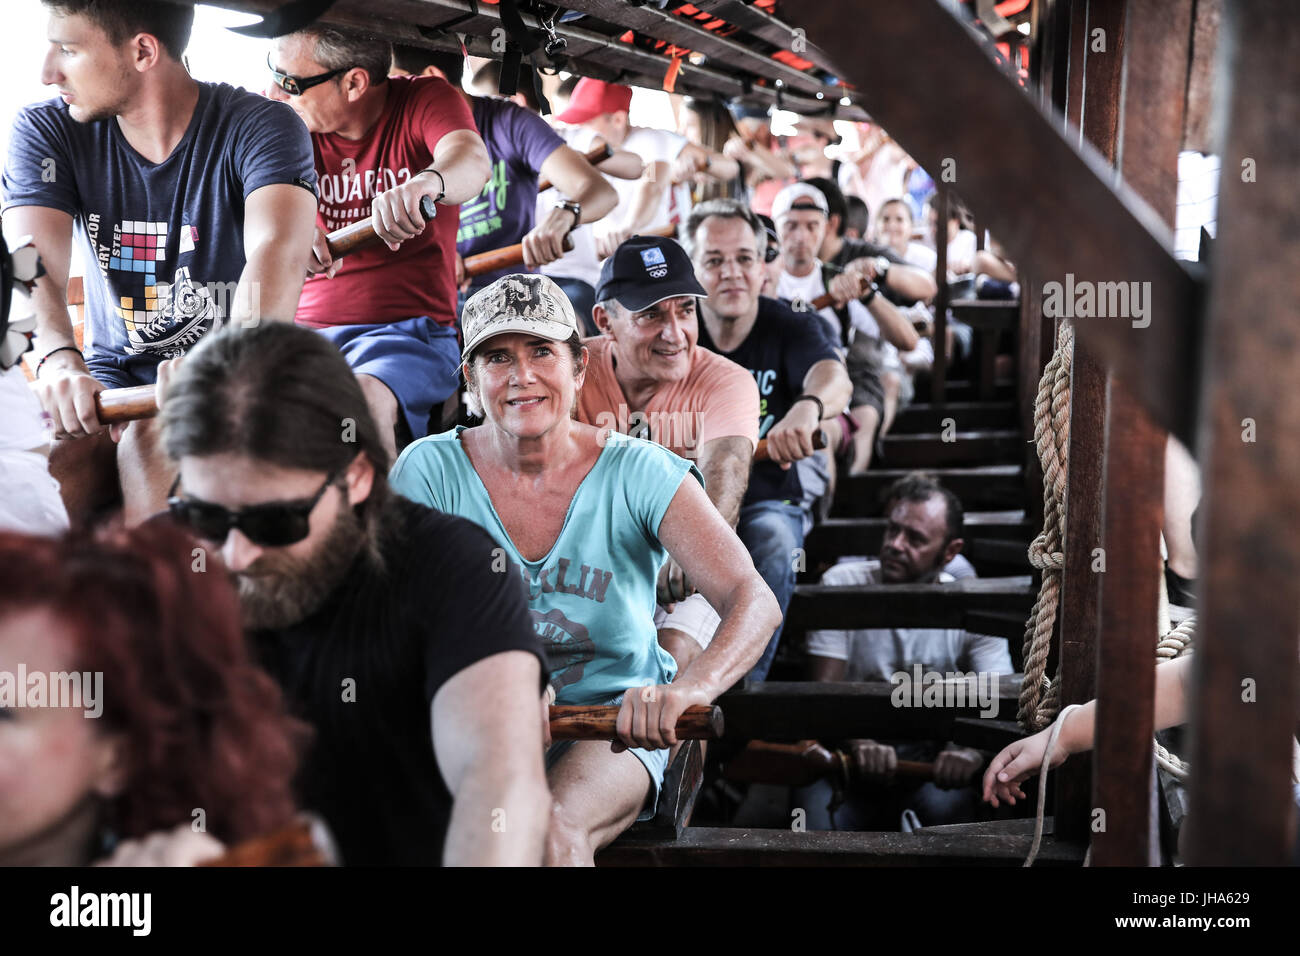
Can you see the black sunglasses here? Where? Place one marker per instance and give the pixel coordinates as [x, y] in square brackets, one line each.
[298, 85]
[271, 525]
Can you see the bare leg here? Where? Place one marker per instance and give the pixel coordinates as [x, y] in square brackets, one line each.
[597, 794]
[145, 471]
[892, 385]
[864, 441]
[86, 470]
[1182, 494]
[383, 408]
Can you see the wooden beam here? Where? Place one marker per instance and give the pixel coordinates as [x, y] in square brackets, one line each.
[939, 333]
[1246, 664]
[978, 118]
[1199, 131]
[937, 450]
[820, 606]
[950, 846]
[1078, 619]
[966, 416]
[798, 710]
[988, 488]
[1156, 41]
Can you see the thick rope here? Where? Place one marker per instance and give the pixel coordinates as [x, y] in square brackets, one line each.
[1039, 696]
[1042, 783]
[1174, 644]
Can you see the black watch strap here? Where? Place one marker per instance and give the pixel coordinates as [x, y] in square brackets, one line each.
[807, 397]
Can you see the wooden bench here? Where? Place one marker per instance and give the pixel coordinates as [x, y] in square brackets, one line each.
[817, 606]
[989, 319]
[932, 450]
[992, 843]
[964, 390]
[987, 488]
[968, 416]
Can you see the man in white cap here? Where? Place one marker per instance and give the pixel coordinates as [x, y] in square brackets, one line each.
[858, 324]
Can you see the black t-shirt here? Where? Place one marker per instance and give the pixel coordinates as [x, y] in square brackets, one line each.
[864, 248]
[779, 350]
[398, 635]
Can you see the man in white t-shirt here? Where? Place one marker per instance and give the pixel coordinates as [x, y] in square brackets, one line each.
[801, 214]
[922, 535]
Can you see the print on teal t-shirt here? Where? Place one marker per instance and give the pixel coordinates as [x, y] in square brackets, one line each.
[592, 596]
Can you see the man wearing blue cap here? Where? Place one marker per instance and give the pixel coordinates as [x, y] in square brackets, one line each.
[646, 376]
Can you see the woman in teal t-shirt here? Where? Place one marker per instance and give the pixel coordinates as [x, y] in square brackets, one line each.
[587, 524]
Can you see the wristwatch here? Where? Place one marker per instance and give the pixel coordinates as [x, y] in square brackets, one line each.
[573, 207]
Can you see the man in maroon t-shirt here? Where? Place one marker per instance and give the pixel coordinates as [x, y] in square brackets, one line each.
[381, 145]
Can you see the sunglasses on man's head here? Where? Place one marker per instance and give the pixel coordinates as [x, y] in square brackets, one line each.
[297, 85]
[275, 524]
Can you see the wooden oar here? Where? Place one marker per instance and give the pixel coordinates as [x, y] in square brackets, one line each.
[360, 235]
[825, 299]
[819, 439]
[594, 156]
[305, 842]
[697, 722]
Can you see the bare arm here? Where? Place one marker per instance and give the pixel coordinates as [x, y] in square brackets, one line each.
[65, 389]
[649, 194]
[725, 464]
[893, 326]
[790, 439]
[462, 167]
[575, 179]
[694, 160]
[487, 736]
[279, 222]
[826, 668]
[718, 564]
[714, 559]
[624, 164]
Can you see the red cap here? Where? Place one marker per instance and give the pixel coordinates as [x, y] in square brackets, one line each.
[593, 97]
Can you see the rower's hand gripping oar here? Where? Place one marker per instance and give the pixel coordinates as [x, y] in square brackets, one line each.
[697, 722]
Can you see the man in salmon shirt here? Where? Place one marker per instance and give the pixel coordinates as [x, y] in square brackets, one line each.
[646, 377]
[381, 145]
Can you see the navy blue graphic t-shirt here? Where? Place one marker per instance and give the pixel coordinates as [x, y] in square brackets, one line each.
[167, 238]
[779, 350]
[518, 141]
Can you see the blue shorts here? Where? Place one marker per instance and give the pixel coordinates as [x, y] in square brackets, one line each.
[418, 359]
[654, 761]
[113, 371]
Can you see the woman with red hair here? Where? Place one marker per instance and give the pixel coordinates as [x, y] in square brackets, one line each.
[175, 724]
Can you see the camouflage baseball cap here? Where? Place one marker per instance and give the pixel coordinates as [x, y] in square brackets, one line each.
[531, 304]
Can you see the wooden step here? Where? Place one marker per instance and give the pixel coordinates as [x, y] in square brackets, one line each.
[987, 314]
[833, 710]
[967, 416]
[963, 390]
[839, 537]
[968, 845]
[818, 606]
[986, 488]
[931, 450]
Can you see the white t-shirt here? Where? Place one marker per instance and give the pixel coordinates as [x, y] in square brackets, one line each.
[809, 287]
[875, 654]
[652, 145]
[29, 497]
[961, 252]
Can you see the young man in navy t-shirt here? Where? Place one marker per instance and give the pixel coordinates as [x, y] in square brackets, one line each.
[195, 202]
[801, 382]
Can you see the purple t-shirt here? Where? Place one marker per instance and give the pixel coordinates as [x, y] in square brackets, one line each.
[518, 142]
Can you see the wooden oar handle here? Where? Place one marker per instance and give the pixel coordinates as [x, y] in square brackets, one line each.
[820, 440]
[697, 722]
[305, 842]
[914, 770]
[359, 235]
[595, 155]
[826, 299]
[117, 405]
[503, 258]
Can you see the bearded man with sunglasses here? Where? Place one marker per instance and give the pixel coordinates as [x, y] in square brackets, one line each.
[383, 144]
[195, 204]
[396, 631]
